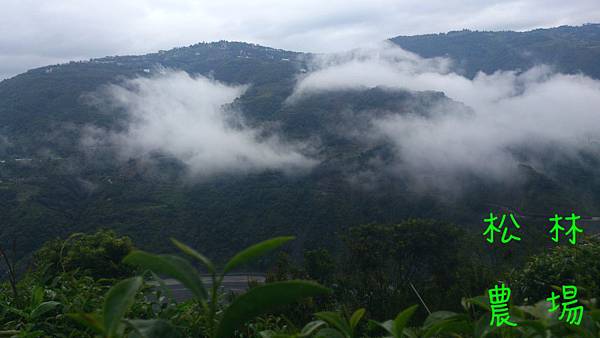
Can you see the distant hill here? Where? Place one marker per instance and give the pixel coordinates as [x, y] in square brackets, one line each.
[33, 103]
[569, 49]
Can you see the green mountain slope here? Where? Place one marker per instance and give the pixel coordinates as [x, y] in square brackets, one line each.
[51, 186]
[568, 49]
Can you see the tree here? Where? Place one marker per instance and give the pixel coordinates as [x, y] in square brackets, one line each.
[383, 261]
[98, 255]
[563, 265]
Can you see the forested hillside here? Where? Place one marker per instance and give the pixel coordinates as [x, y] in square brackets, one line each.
[52, 183]
[569, 49]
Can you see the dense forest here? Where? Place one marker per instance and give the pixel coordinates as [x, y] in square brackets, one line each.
[423, 275]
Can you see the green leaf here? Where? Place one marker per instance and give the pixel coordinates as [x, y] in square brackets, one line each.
[356, 317]
[43, 308]
[411, 332]
[263, 298]
[329, 333]
[387, 325]
[37, 296]
[480, 301]
[311, 327]
[172, 266]
[118, 301]
[455, 327]
[89, 320]
[401, 320]
[447, 322]
[255, 251]
[195, 254]
[337, 321]
[438, 316]
[153, 328]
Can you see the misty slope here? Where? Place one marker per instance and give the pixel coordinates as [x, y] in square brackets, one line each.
[35, 102]
[569, 49]
[57, 186]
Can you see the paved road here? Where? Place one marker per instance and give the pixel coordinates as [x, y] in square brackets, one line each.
[234, 283]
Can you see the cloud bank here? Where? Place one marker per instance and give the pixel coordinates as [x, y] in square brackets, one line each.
[536, 117]
[187, 118]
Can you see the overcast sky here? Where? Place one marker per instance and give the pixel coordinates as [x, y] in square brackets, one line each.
[40, 32]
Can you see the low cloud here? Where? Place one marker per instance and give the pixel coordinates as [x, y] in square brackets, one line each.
[536, 117]
[188, 118]
[382, 64]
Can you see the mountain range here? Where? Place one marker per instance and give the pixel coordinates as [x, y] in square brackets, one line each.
[53, 182]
